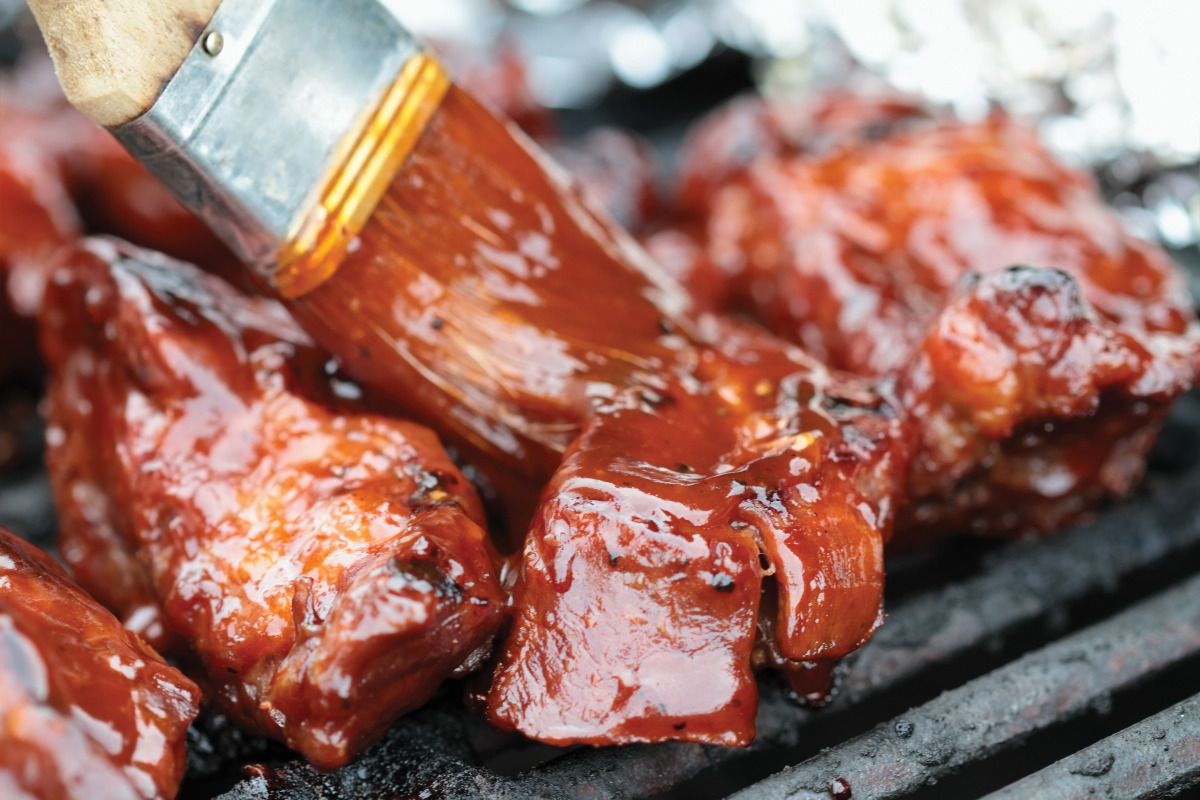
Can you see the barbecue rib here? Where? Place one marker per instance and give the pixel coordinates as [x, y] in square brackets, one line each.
[326, 567]
[638, 614]
[1029, 407]
[849, 233]
[87, 710]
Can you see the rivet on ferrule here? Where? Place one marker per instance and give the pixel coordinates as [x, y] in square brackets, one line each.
[213, 43]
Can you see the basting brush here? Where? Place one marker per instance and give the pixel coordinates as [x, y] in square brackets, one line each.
[410, 230]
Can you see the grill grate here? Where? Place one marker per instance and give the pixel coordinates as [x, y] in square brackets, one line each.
[1015, 597]
[970, 723]
[1159, 757]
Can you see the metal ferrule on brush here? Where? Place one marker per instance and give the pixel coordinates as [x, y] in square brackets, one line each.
[286, 124]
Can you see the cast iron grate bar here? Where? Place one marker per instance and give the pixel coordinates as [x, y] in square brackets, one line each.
[1158, 757]
[427, 755]
[968, 724]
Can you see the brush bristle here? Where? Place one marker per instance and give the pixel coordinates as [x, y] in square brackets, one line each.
[485, 287]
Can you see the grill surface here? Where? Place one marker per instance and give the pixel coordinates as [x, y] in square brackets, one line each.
[965, 725]
[1158, 757]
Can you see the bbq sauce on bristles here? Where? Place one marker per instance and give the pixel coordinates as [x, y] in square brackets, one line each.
[473, 252]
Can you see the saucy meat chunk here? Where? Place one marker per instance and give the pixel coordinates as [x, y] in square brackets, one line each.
[87, 710]
[747, 128]
[852, 252]
[753, 483]
[855, 245]
[325, 567]
[692, 243]
[1032, 408]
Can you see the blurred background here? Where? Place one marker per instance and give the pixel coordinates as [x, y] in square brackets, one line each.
[1109, 83]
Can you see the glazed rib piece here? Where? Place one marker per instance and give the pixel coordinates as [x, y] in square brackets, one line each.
[862, 243]
[754, 484]
[1029, 407]
[700, 242]
[853, 244]
[748, 128]
[324, 567]
[87, 710]
[38, 214]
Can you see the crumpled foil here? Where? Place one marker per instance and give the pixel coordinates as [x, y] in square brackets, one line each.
[1109, 83]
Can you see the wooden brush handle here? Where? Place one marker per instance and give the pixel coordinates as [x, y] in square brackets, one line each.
[113, 57]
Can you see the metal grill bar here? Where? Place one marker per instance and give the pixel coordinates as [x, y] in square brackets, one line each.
[1158, 757]
[1027, 582]
[968, 724]
[1020, 584]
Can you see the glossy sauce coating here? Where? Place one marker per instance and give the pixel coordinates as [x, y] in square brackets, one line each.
[1030, 406]
[638, 618]
[699, 456]
[87, 710]
[722, 147]
[325, 567]
[742, 131]
[852, 251]
[483, 329]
